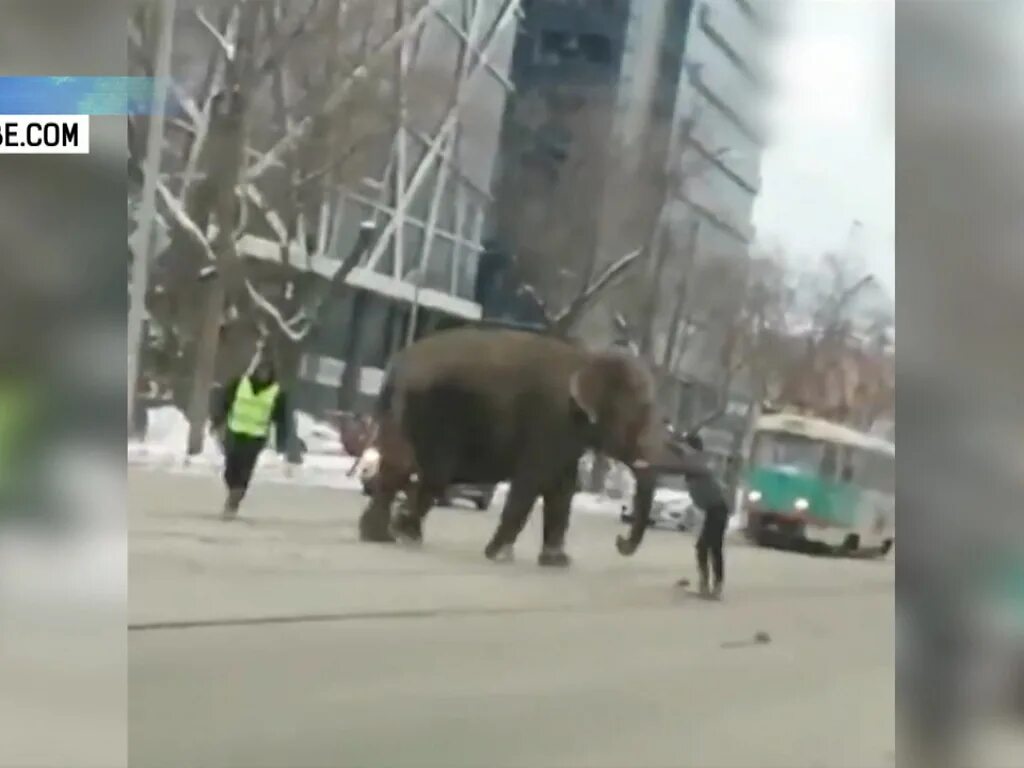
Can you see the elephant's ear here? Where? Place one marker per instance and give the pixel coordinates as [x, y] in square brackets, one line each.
[585, 390]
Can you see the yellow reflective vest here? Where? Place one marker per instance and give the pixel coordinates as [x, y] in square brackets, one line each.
[251, 412]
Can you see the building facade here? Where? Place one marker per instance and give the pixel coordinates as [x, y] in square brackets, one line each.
[685, 83]
[429, 195]
[723, 90]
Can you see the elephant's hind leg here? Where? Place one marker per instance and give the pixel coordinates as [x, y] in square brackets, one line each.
[521, 497]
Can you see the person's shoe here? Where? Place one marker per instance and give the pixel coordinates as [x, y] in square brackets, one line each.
[231, 505]
[716, 591]
[704, 588]
[499, 553]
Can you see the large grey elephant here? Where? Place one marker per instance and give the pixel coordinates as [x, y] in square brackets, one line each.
[477, 405]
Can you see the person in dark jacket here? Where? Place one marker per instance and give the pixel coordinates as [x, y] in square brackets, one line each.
[707, 495]
[243, 415]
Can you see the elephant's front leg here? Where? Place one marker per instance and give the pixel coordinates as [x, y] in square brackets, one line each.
[407, 525]
[520, 499]
[375, 523]
[557, 507]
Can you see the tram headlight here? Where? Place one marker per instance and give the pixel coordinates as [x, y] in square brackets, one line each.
[801, 505]
[754, 496]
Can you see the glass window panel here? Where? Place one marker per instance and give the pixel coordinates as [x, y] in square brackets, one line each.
[439, 265]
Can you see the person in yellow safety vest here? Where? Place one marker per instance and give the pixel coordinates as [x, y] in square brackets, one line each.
[244, 414]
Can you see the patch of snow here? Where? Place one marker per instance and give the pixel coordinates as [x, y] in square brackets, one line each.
[320, 437]
[167, 437]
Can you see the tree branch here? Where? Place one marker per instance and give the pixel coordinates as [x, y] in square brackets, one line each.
[270, 215]
[273, 156]
[532, 292]
[183, 220]
[272, 61]
[212, 82]
[564, 321]
[263, 304]
[227, 48]
[187, 103]
[337, 161]
[306, 320]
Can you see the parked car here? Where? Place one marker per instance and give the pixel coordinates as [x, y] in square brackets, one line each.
[671, 509]
[480, 494]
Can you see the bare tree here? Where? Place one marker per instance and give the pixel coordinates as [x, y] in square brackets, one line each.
[563, 166]
[275, 116]
[840, 368]
[673, 239]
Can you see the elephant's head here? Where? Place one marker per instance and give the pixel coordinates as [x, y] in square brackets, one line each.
[616, 394]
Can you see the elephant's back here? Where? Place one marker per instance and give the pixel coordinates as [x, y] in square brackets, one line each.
[499, 359]
[484, 395]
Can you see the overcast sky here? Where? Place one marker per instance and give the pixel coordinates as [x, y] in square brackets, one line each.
[833, 156]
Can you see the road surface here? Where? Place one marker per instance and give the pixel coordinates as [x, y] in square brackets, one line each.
[280, 640]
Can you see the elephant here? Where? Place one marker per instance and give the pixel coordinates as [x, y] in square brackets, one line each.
[485, 405]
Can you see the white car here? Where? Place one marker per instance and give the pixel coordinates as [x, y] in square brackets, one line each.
[671, 509]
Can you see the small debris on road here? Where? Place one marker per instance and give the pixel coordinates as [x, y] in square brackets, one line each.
[760, 638]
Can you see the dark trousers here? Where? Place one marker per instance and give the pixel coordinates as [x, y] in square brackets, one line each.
[711, 541]
[240, 455]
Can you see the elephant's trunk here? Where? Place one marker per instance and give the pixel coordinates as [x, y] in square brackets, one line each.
[643, 500]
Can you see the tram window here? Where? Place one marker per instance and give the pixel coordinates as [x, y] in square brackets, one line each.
[848, 461]
[829, 462]
[783, 448]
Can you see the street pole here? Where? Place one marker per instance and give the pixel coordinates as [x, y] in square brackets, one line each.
[147, 207]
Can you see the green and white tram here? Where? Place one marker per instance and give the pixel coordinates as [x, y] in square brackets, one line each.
[811, 480]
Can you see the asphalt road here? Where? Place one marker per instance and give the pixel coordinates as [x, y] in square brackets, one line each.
[280, 640]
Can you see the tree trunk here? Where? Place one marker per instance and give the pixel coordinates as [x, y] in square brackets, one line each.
[288, 357]
[675, 324]
[224, 157]
[205, 365]
[348, 387]
[654, 295]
